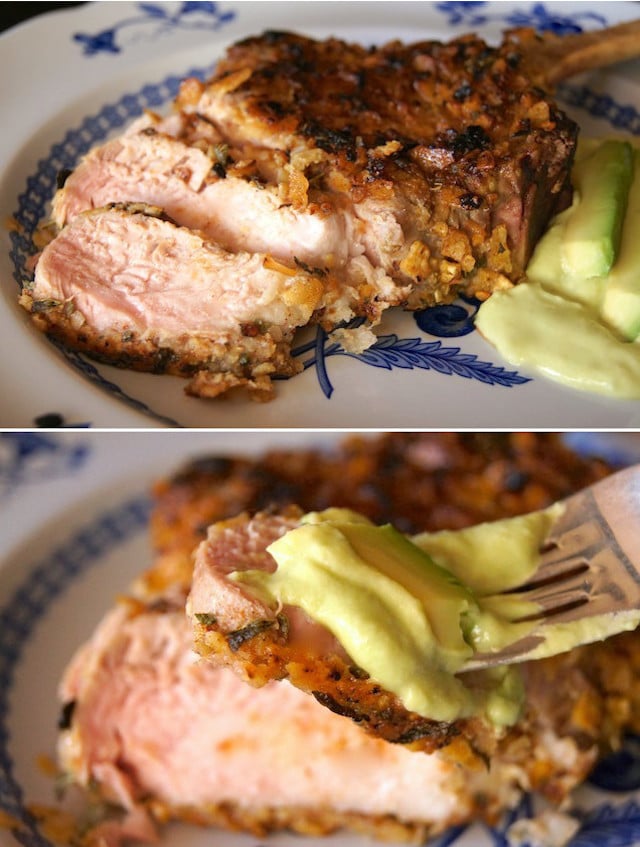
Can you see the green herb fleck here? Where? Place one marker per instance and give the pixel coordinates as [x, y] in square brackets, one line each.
[205, 618]
[237, 638]
[45, 305]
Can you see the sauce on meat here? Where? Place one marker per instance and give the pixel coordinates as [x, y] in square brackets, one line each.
[414, 640]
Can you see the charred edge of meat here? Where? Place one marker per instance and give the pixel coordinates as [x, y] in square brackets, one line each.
[339, 708]
[331, 681]
[358, 673]
[438, 733]
[125, 349]
[160, 361]
[331, 140]
[471, 138]
[40, 306]
[62, 176]
[274, 110]
[210, 466]
[269, 36]
[471, 201]
[66, 715]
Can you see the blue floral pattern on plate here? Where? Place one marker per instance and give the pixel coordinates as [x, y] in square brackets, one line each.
[19, 619]
[539, 15]
[390, 352]
[154, 20]
[30, 457]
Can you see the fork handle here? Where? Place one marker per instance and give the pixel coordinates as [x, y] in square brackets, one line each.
[618, 500]
[601, 527]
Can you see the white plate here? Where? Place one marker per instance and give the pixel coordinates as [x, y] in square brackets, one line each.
[73, 508]
[74, 77]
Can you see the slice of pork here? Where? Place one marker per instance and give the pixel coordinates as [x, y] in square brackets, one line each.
[235, 628]
[164, 163]
[162, 735]
[155, 735]
[131, 288]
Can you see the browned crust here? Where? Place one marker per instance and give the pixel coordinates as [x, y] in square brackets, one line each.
[455, 139]
[260, 654]
[261, 821]
[458, 132]
[416, 481]
[213, 366]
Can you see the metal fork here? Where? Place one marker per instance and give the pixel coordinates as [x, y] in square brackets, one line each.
[589, 566]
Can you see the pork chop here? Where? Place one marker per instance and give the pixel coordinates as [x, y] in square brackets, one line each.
[235, 628]
[404, 175]
[449, 154]
[164, 163]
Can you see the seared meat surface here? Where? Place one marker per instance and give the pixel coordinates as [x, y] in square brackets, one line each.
[416, 481]
[401, 175]
[450, 159]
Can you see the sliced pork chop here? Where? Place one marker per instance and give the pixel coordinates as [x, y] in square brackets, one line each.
[147, 720]
[156, 735]
[133, 289]
[403, 175]
[141, 166]
[453, 144]
[152, 167]
[199, 185]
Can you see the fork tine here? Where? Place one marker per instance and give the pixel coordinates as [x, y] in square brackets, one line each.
[546, 573]
[553, 596]
[579, 541]
[589, 567]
